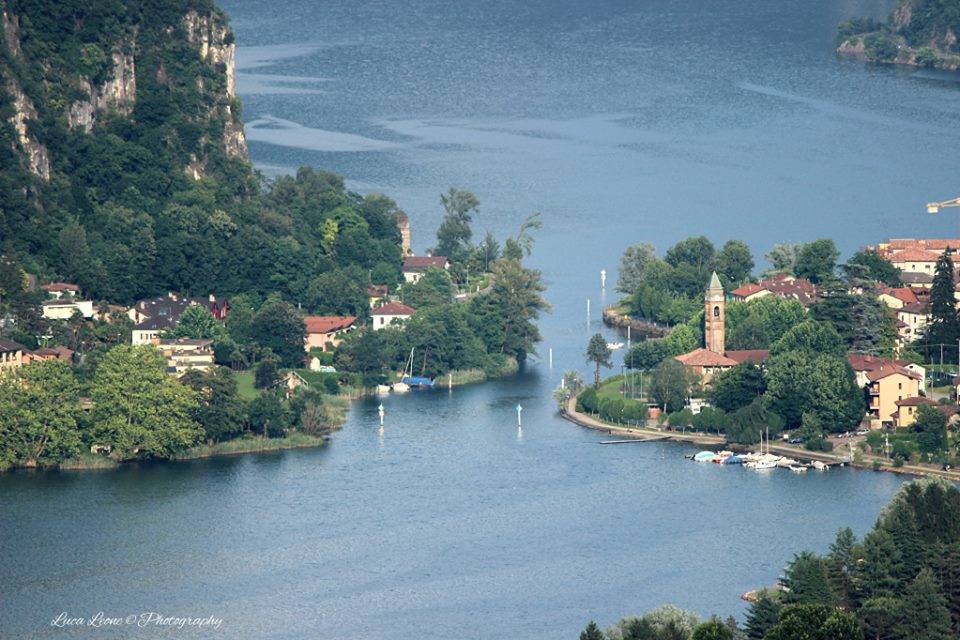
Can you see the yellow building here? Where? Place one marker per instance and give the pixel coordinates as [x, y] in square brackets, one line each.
[11, 355]
[185, 354]
[886, 387]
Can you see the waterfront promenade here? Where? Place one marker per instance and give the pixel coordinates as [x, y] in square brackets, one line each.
[571, 414]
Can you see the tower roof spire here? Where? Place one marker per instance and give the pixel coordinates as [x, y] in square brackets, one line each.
[715, 282]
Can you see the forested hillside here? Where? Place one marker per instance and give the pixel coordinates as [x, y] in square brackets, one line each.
[124, 165]
[918, 32]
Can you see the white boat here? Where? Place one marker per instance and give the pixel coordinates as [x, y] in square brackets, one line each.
[763, 465]
[400, 387]
[798, 468]
[613, 346]
[819, 466]
[383, 390]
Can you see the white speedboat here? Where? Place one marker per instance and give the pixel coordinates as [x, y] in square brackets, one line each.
[613, 346]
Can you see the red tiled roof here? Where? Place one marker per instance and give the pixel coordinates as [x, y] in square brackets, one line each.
[879, 374]
[422, 263]
[747, 290]
[327, 324]
[914, 255]
[938, 244]
[903, 294]
[59, 286]
[378, 290]
[393, 309]
[706, 358]
[758, 356]
[914, 402]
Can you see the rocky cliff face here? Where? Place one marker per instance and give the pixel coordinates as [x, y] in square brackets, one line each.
[118, 94]
[46, 95]
[217, 46]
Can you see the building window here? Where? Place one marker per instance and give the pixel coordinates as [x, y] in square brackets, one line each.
[716, 312]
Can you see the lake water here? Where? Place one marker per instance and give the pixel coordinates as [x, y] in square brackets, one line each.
[622, 122]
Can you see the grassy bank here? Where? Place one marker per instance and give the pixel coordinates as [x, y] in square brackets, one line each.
[88, 461]
[460, 377]
[251, 444]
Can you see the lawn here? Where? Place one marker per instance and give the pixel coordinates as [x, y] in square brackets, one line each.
[245, 385]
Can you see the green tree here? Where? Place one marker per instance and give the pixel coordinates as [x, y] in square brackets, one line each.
[434, 288]
[880, 617]
[751, 422]
[869, 265]
[931, 429]
[927, 616]
[810, 337]
[140, 410]
[591, 632]
[40, 405]
[670, 384]
[220, 410]
[799, 382]
[713, 629]
[816, 261]
[504, 318]
[198, 323]
[734, 262]
[633, 264]
[453, 236]
[268, 415]
[599, 354]
[840, 565]
[783, 257]
[267, 372]
[805, 581]
[645, 355]
[762, 615]
[814, 622]
[339, 292]
[278, 326]
[738, 386]
[944, 325]
[697, 252]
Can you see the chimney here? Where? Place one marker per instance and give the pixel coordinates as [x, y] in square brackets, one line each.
[213, 298]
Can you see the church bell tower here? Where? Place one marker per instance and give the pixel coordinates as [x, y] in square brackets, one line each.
[714, 316]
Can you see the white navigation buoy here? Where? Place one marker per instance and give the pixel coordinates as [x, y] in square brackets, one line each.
[603, 278]
[381, 411]
[519, 419]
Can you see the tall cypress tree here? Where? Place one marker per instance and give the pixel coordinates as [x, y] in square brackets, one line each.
[944, 327]
[805, 581]
[881, 564]
[926, 614]
[761, 616]
[948, 575]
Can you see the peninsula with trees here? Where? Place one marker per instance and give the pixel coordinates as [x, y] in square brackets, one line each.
[159, 298]
[857, 356]
[921, 33]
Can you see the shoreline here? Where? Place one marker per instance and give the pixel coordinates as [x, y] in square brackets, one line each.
[250, 444]
[570, 414]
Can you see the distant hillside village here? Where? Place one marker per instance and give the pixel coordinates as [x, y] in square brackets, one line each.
[814, 347]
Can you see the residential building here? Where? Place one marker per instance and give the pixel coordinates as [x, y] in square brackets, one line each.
[377, 294]
[325, 332]
[897, 297]
[907, 408]
[385, 315]
[783, 285]
[52, 353]
[886, 382]
[61, 289]
[154, 315]
[706, 363]
[63, 308]
[186, 354]
[11, 355]
[912, 318]
[414, 266]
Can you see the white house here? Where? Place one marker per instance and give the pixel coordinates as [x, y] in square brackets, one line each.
[389, 313]
[63, 308]
[414, 266]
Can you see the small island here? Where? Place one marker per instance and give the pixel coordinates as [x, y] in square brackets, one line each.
[920, 33]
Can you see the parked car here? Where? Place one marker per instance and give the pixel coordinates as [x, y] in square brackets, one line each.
[797, 440]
